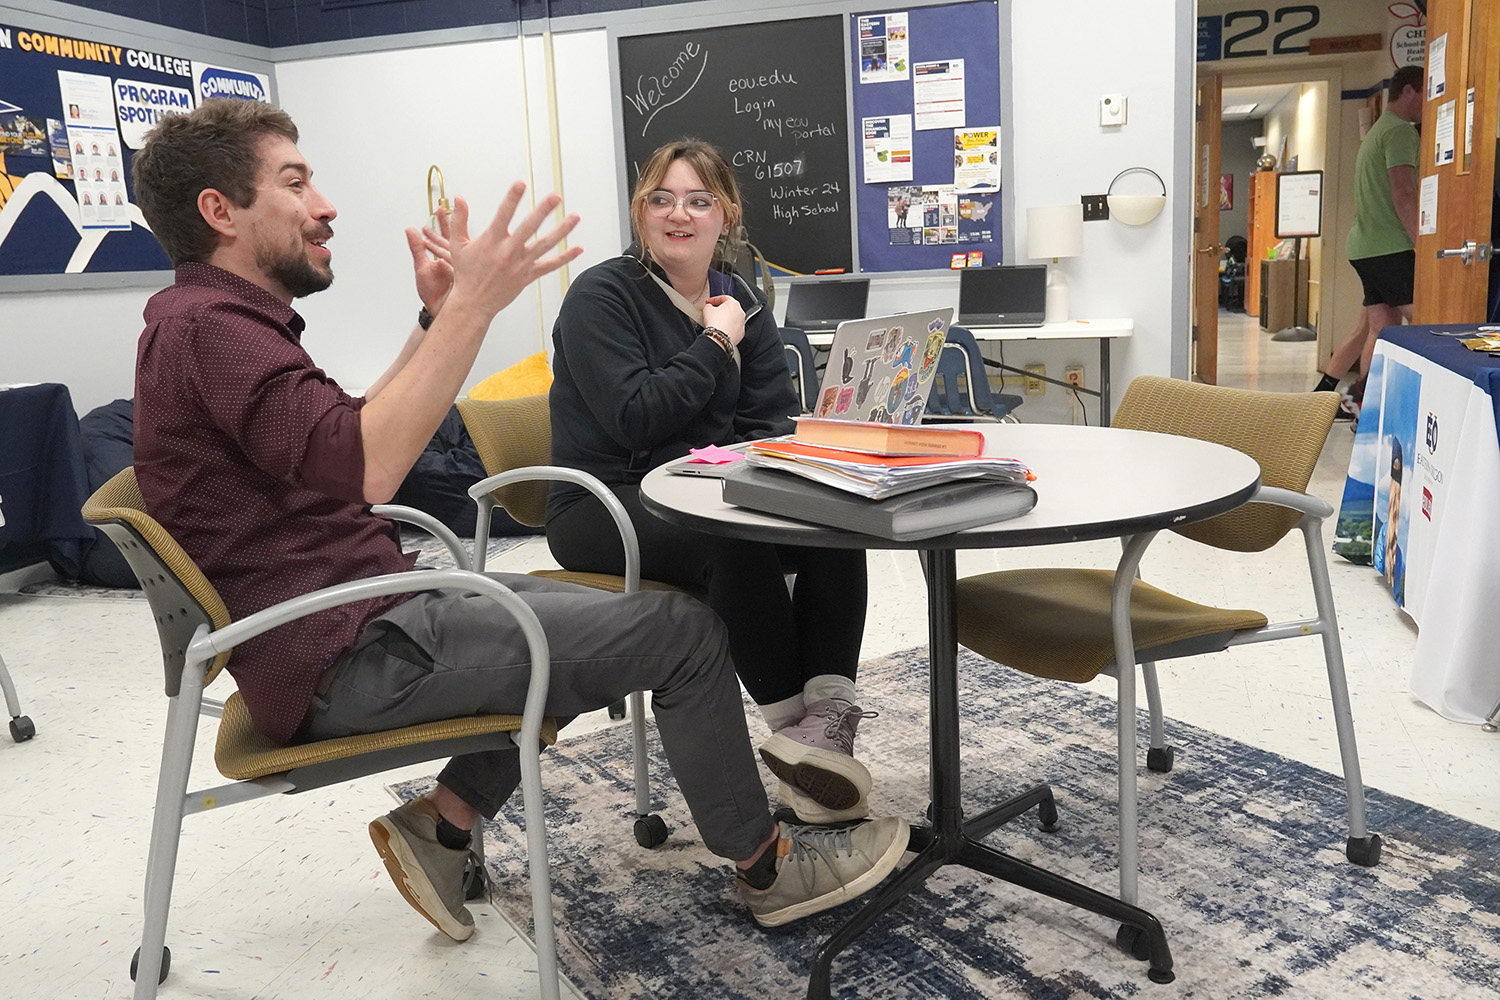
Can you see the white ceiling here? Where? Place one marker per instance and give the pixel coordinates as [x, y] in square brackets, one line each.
[1264, 98]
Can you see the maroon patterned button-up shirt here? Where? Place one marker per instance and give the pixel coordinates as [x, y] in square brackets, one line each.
[250, 456]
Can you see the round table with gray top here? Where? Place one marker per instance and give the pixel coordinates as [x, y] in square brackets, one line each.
[1091, 482]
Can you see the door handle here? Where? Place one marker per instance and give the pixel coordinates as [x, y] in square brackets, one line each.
[1469, 253]
[1215, 249]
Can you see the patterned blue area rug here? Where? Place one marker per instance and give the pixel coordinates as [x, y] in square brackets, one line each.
[1243, 864]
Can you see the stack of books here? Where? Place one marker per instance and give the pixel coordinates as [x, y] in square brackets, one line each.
[902, 483]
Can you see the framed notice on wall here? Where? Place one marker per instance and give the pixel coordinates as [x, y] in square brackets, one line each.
[1299, 203]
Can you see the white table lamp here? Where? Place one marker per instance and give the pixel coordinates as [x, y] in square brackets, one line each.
[1055, 231]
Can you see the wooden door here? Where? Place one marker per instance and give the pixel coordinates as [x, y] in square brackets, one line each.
[1453, 287]
[1206, 247]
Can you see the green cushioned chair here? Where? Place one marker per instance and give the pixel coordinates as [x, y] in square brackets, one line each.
[1058, 623]
[197, 637]
[514, 440]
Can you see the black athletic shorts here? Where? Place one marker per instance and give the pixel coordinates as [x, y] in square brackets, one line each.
[1387, 278]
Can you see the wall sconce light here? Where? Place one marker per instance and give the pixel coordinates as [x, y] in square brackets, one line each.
[1136, 209]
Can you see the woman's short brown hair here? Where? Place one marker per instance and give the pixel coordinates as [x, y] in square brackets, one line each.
[718, 180]
[211, 147]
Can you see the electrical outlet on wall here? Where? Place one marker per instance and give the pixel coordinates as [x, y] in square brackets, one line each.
[1073, 374]
[1035, 386]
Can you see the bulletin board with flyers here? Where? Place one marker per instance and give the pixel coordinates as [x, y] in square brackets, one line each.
[929, 144]
[75, 104]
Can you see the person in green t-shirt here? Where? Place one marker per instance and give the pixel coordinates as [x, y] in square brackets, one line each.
[1382, 240]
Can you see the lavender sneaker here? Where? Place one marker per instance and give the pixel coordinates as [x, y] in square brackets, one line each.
[816, 756]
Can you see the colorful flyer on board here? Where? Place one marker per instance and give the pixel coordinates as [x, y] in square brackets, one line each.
[939, 214]
[903, 204]
[938, 90]
[974, 214]
[99, 176]
[883, 47]
[976, 159]
[887, 149]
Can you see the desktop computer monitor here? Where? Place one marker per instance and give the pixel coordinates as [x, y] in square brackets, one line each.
[820, 306]
[1002, 296]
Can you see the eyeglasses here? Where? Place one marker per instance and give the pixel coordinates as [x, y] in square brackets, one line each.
[698, 204]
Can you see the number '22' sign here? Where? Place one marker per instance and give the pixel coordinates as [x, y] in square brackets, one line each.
[1243, 32]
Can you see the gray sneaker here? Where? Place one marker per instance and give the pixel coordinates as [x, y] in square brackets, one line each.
[820, 868]
[808, 810]
[817, 756]
[428, 874]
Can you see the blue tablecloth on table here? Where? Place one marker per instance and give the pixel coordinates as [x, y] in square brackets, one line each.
[1480, 367]
[43, 480]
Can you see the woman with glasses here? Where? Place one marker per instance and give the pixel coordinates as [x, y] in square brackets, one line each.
[665, 348]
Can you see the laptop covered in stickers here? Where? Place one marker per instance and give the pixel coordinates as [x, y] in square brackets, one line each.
[881, 368]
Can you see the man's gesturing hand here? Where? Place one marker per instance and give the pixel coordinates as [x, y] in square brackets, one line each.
[491, 269]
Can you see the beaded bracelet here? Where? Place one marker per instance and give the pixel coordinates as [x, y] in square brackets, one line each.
[719, 337]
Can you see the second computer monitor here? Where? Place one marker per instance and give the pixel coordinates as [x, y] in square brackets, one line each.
[1002, 296]
[820, 306]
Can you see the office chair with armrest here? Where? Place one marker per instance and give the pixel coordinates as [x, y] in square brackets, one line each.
[21, 727]
[197, 637]
[961, 388]
[804, 368]
[514, 441]
[1058, 623]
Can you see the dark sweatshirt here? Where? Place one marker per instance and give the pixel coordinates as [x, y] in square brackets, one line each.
[636, 384]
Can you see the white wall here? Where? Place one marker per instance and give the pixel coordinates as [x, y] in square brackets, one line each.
[371, 159]
[1066, 54]
[459, 105]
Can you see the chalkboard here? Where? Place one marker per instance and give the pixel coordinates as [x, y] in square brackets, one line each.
[772, 97]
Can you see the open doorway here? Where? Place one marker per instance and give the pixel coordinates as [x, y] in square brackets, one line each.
[1273, 123]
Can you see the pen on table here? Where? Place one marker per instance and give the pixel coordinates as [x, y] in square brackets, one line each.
[830, 270]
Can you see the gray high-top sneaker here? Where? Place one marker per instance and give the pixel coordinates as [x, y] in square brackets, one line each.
[816, 756]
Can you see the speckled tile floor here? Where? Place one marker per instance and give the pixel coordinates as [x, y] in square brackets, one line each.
[284, 897]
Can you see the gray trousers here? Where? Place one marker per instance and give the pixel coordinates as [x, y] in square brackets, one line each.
[443, 654]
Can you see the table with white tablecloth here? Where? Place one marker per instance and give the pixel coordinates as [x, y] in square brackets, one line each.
[1420, 499]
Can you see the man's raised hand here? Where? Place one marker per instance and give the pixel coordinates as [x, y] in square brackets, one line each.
[492, 268]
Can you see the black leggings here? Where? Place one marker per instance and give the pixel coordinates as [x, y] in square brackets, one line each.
[778, 640]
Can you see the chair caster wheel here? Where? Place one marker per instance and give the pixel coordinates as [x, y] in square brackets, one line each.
[22, 729]
[1364, 850]
[476, 882]
[1159, 759]
[617, 711]
[1046, 815]
[650, 831]
[166, 963]
[1132, 941]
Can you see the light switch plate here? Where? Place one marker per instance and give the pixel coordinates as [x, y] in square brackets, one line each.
[1112, 109]
[1095, 207]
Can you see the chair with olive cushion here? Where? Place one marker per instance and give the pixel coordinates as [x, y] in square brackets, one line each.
[1058, 623]
[514, 441]
[197, 637]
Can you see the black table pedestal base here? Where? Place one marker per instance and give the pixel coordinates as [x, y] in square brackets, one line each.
[951, 840]
[1141, 932]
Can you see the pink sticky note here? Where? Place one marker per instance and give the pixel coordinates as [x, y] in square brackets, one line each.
[714, 455]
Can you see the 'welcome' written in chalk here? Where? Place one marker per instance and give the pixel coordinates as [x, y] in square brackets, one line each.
[656, 92]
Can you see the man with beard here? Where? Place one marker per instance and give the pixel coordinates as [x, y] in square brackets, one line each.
[264, 470]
